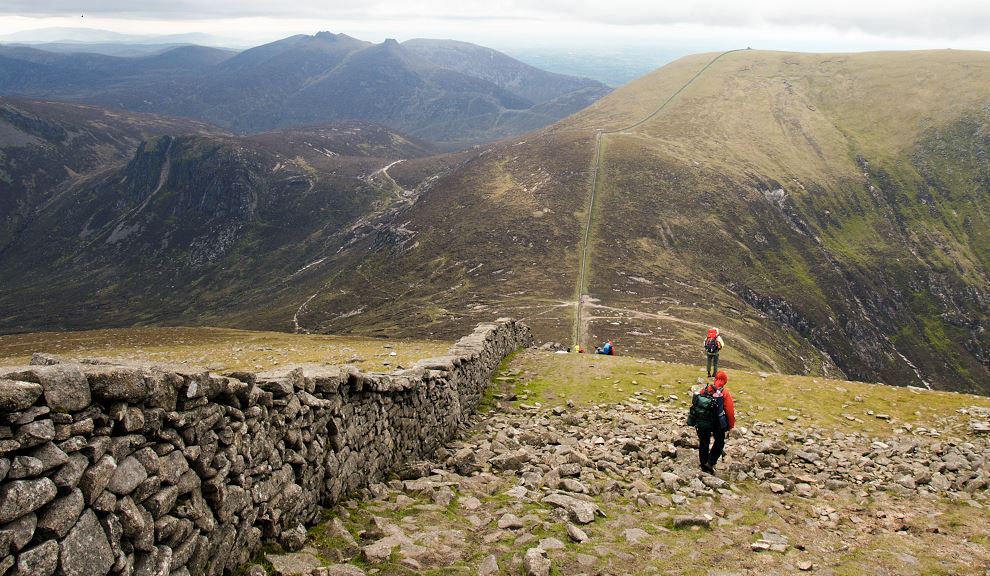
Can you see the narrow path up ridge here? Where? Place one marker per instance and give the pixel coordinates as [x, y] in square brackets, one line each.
[579, 333]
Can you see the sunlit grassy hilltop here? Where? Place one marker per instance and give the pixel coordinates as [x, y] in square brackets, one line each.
[844, 197]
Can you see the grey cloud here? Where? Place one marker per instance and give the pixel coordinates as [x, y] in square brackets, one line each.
[933, 25]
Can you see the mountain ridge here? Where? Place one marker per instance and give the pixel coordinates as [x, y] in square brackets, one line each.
[894, 210]
[306, 79]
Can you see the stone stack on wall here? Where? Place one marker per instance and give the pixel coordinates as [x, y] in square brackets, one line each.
[141, 469]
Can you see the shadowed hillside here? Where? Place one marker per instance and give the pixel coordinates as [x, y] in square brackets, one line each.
[178, 227]
[46, 145]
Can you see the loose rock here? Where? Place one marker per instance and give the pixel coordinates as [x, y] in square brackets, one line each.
[536, 563]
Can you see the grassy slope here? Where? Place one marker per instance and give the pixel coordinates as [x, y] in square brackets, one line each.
[552, 379]
[779, 196]
[233, 219]
[496, 237]
[789, 405]
[219, 349]
[873, 206]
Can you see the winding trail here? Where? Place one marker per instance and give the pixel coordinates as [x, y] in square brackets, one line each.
[401, 193]
[384, 172]
[296, 327]
[582, 298]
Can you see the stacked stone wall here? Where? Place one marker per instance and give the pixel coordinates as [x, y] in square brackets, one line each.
[172, 470]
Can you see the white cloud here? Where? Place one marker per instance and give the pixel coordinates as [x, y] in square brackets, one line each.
[948, 18]
[764, 23]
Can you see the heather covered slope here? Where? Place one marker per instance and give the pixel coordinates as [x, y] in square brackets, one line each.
[189, 227]
[46, 145]
[779, 196]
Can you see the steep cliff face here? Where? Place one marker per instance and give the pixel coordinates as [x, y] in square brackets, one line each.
[44, 145]
[175, 193]
[179, 192]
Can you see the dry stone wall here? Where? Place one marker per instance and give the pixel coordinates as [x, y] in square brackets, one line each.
[172, 470]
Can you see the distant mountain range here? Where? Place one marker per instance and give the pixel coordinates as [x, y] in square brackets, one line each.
[451, 93]
[83, 36]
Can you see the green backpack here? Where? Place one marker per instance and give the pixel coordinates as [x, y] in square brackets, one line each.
[707, 412]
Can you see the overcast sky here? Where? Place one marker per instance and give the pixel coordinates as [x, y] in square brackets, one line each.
[828, 25]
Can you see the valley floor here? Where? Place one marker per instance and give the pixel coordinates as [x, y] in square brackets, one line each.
[582, 465]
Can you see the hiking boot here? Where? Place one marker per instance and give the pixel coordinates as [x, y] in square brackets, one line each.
[707, 469]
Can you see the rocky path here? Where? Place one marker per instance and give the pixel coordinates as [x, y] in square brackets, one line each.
[615, 489]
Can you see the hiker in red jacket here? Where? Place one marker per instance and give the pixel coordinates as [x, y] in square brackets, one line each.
[713, 345]
[719, 427]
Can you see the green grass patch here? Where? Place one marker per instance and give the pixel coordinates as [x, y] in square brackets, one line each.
[260, 559]
[587, 380]
[220, 348]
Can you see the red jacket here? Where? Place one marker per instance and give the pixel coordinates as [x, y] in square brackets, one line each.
[721, 379]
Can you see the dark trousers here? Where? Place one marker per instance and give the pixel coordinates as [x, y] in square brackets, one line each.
[712, 364]
[710, 455]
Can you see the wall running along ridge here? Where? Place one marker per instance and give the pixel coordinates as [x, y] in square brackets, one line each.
[142, 469]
